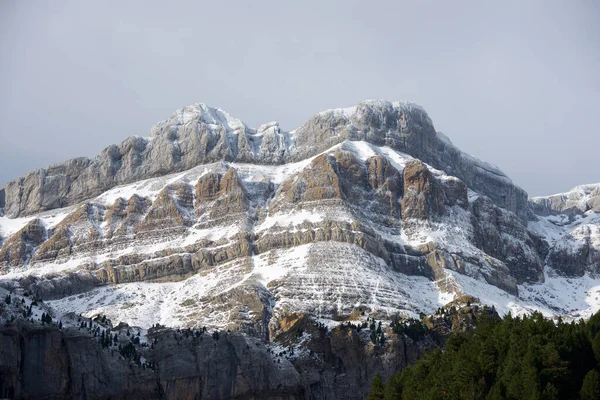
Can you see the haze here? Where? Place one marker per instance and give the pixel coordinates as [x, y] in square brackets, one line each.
[514, 83]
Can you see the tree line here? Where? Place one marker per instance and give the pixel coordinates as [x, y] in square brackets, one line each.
[528, 357]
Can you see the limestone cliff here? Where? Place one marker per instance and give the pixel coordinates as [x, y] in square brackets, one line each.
[199, 134]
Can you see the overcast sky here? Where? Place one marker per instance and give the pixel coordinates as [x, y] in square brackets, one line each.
[513, 83]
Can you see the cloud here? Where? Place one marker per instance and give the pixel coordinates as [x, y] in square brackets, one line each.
[513, 83]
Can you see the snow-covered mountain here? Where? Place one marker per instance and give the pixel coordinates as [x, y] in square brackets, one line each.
[363, 211]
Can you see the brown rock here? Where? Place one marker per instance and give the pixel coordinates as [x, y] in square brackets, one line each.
[17, 249]
[319, 181]
[423, 195]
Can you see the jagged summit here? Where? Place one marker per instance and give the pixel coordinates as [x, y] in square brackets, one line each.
[201, 113]
[578, 200]
[199, 134]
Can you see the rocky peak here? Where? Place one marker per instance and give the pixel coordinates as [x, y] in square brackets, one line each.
[576, 201]
[198, 113]
[199, 134]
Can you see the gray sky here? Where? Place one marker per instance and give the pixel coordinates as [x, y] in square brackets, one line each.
[515, 83]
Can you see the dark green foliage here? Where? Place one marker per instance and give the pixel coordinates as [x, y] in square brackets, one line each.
[7, 299]
[376, 388]
[105, 339]
[129, 351]
[513, 358]
[358, 327]
[46, 318]
[413, 328]
[321, 327]
[590, 389]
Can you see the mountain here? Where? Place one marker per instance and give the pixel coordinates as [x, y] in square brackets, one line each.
[361, 213]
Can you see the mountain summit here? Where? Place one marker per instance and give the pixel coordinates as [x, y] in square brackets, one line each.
[199, 134]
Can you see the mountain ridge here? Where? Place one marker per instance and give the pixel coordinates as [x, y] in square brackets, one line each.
[175, 145]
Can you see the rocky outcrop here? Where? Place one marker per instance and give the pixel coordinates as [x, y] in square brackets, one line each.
[502, 236]
[423, 196]
[18, 248]
[577, 201]
[426, 197]
[344, 361]
[318, 182]
[460, 315]
[577, 252]
[134, 212]
[173, 208]
[199, 135]
[58, 245]
[220, 196]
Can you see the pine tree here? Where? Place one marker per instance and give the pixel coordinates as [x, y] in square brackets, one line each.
[590, 389]
[8, 300]
[376, 388]
[550, 392]
[596, 346]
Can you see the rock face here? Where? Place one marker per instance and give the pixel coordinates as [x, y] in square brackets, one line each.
[307, 361]
[577, 201]
[577, 252]
[232, 237]
[199, 134]
[501, 236]
[423, 196]
[18, 249]
[569, 223]
[44, 362]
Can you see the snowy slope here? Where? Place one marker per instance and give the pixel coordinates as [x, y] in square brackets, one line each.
[256, 250]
